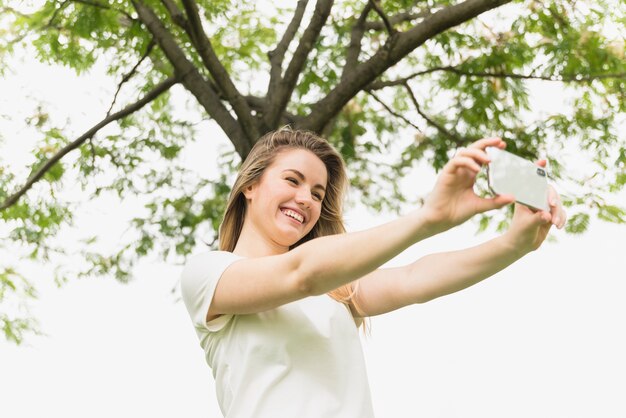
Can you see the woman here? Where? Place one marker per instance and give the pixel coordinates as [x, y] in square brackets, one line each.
[278, 345]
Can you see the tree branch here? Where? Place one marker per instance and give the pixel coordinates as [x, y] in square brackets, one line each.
[149, 97]
[131, 73]
[377, 85]
[7, 9]
[457, 139]
[49, 24]
[560, 78]
[284, 89]
[397, 47]
[356, 36]
[106, 7]
[277, 55]
[178, 17]
[259, 104]
[362, 25]
[56, 13]
[391, 111]
[397, 18]
[375, 4]
[219, 73]
[193, 80]
[176, 14]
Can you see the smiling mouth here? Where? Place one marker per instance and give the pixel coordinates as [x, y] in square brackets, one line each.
[293, 215]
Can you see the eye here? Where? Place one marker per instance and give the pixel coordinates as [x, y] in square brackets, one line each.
[317, 196]
[292, 180]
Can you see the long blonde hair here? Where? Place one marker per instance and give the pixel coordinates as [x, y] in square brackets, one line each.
[261, 156]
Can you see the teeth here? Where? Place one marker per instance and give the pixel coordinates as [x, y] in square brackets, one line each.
[294, 215]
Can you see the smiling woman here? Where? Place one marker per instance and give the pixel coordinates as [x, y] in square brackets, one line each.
[289, 191]
[289, 196]
[300, 148]
[277, 161]
[278, 345]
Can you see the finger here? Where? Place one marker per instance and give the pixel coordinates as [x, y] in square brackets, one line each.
[523, 208]
[563, 218]
[544, 217]
[553, 197]
[464, 162]
[488, 142]
[477, 154]
[556, 208]
[537, 217]
[543, 232]
[496, 202]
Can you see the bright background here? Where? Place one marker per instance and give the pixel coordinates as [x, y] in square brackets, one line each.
[544, 338]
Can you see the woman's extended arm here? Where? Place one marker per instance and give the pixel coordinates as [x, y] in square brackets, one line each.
[313, 268]
[440, 274]
[325, 263]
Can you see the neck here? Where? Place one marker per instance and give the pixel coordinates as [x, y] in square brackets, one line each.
[252, 243]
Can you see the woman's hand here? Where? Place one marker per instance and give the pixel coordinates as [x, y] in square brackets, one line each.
[530, 228]
[452, 200]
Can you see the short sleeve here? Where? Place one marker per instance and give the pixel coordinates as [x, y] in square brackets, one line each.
[198, 282]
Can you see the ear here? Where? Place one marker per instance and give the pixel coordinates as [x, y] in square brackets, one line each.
[250, 191]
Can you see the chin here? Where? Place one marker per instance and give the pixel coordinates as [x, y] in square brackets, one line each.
[289, 239]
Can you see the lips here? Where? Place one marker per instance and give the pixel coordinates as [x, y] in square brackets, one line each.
[294, 214]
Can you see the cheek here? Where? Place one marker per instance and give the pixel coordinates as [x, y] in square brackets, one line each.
[280, 191]
[317, 214]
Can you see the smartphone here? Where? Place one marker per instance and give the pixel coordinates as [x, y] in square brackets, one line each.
[508, 173]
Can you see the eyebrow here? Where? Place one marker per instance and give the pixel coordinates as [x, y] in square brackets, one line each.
[299, 174]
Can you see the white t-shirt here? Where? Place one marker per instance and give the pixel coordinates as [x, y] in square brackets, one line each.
[300, 360]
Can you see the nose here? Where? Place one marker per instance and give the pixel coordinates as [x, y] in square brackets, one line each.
[303, 197]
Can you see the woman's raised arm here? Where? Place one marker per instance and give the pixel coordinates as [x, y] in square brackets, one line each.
[326, 263]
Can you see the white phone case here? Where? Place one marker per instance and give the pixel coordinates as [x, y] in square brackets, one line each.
[508, 173]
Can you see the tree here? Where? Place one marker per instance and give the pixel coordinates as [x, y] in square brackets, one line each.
[389, 83]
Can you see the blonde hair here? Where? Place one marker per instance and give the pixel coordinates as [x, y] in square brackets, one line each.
[261, 156]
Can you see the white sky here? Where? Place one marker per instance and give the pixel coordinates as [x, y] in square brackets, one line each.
[544, 338]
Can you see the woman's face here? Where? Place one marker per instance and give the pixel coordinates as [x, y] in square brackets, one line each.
[286, 202]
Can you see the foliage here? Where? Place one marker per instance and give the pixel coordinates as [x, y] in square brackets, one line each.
[386, 98]
[15, 290]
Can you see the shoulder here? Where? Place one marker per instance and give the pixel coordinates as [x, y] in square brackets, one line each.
[205, 266]
[207, 258]
[198, 282]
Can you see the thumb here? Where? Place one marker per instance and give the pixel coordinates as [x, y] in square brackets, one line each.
[497, 202]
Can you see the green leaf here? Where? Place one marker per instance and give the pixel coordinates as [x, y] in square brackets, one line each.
[578, 223]
[611, 213]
